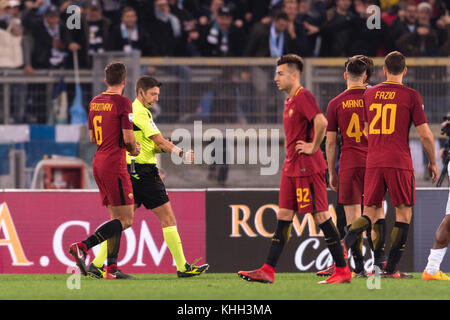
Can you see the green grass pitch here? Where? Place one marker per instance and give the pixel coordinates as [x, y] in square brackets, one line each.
[215, 286]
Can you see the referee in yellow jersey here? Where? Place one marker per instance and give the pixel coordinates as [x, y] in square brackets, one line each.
[148, 188]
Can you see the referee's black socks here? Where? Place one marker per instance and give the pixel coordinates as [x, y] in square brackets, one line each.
[103, 233]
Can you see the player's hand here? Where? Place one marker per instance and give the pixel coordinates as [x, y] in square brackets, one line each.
[136, 151]
[189, 156]
[304, 147]
[433, 171]
[333, 180]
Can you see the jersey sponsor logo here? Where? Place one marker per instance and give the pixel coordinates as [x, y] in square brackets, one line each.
[353, 103]
[291, 112]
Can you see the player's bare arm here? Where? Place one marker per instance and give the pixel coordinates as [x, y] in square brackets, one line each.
[331, 146]
[168, 146]
[133, 147]
[320, 127]
[427, 139]
[92, 136]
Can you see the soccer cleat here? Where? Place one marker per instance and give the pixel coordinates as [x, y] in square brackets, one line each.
[341, 275]
[96, 272]
[192, 270]
[396, 275]
[265, 274]
[361, 274]
[79, 252]
[113, 273]
[383, 266]
[330, 270]
[438, 276]
[327, 272]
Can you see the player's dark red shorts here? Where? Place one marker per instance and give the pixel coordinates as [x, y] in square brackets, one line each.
[399, 182]
[351, 186]
[304, 194]
[115, 186]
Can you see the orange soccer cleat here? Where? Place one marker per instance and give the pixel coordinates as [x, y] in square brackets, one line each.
[438, 276]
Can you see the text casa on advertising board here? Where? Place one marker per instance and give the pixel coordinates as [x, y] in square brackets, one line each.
[240, 224]
[36, 229]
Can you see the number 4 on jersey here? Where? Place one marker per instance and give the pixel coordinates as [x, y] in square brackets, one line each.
[354, 128]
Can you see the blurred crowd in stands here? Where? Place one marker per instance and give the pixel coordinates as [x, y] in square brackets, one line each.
[43, 34]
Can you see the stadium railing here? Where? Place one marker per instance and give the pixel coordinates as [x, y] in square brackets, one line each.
[214, 90]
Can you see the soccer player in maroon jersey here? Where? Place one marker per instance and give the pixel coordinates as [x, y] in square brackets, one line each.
[111, 128]
[345, 113]
[390, 109]
[302, 186]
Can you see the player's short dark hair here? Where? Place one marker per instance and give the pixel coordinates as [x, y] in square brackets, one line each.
[355, 66]
[395, 62]
[115, 73]
[369, 64]
[147, 82]
[292, 60]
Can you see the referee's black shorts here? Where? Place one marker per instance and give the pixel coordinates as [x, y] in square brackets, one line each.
[148, 187]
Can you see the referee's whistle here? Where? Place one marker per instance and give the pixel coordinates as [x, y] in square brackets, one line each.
[132, 167]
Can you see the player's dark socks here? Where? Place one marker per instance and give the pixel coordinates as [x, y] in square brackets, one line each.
[379, 228]
[113, 248]
[341, 221]
[358, 227]
[358, 255]
[103, 233]
[333, 241]
[399, 236]
[280, 238]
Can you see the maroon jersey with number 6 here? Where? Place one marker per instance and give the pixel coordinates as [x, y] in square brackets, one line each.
[109, 113]
[390, 109]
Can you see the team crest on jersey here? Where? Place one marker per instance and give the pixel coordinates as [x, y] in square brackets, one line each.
[291, 112]
[130, 117]
[130, 195]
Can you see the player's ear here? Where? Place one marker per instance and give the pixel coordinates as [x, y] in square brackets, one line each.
[404, 71]
[345, 75]
[364, 78]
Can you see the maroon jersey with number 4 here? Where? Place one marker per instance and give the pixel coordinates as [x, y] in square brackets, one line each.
[109, 113]
[346, 112]
[390, 109]
[298, 116]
